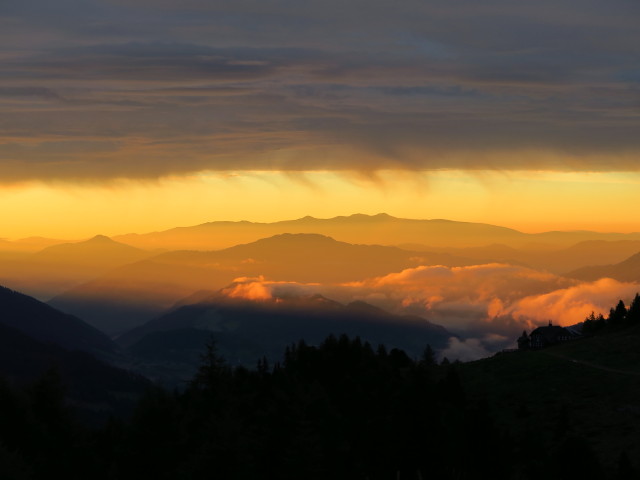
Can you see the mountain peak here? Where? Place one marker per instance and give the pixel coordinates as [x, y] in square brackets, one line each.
[100, 239]
[96, 250]
[102, 242]
[363, 217]
[297, 237]
[354, 216]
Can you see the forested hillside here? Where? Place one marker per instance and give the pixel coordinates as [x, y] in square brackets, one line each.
[344, 409]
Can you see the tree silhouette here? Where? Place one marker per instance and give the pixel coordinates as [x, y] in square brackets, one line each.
[618, 315]
[633, 314]
[428, 358]
[339, 410]
[212, 367]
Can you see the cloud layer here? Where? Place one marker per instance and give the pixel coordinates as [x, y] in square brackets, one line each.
[492, 299]
[97, 89]
[487, 305]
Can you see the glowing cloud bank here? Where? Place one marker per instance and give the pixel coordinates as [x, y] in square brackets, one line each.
[492, 298]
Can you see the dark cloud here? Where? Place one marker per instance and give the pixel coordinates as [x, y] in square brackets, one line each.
[108, 88]
[29, 92]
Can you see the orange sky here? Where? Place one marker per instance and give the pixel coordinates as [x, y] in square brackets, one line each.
[529, 201]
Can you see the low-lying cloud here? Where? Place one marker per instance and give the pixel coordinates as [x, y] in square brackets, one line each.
[257, 288]
[461, 296]
[464, 350]
[570, 305]
[488, 306]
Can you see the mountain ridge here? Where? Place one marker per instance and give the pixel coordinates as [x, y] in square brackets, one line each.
[358, 228]
[49, 325]
[86, 246]
[627, 270]
[177, 274]
[247, 330]
[57, 268]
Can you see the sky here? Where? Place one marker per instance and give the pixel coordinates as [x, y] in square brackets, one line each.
[130, 116]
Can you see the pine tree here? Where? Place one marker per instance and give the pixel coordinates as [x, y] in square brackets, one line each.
[618, 315]
[633, 314]
[428, 357]
[263, 366]
[589, 325]
[212, 368]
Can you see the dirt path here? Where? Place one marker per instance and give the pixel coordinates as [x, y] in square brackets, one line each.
[592, 365]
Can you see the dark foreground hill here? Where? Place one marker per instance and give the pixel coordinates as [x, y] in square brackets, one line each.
[48, 325]
[170, 346]
[344, 409]
[96, 389]
[36, 339]
[587, 390]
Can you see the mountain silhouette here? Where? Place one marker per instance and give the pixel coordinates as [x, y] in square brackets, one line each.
[246, 330]
[96, 389]
[98, 251]
[135, 293]
[625, 271]
[57, 268]
[27, 245]
[556, 260]
[48, 325]
[381, 229]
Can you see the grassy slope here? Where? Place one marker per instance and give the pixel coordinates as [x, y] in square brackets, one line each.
[596, 379]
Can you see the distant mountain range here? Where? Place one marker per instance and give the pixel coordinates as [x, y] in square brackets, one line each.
[97, 252]
[625, 271]
[57, 268]
[129, 296]
[381, 229]
[27, 245]
[123, 298]
[556, 260]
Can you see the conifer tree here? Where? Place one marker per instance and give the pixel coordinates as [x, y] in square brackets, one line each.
[212, 367]
[618, 315]
[428, 357]
[633, 314]
[589, 325]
